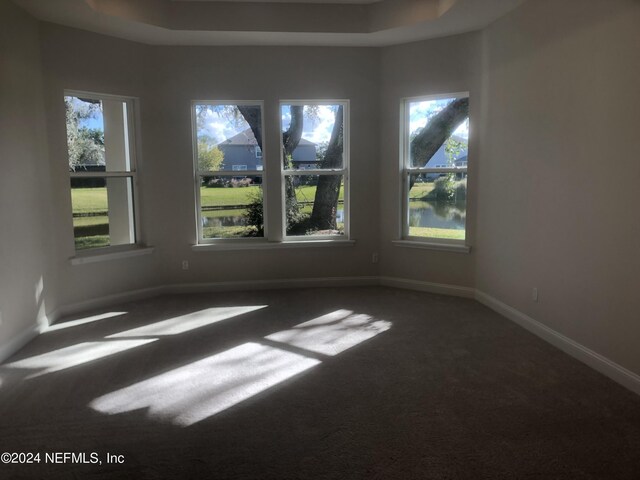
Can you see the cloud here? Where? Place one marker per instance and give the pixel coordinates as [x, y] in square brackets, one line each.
[216, 124]
[317, 128]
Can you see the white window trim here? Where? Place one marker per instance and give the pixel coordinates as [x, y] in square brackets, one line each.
[227, 173]
[406, 240]
[344, 171]
[133, 119]
[313, 243]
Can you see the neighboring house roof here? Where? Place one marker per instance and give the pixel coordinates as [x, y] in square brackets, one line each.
[246, 137]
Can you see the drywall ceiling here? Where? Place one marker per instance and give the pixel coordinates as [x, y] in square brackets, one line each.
[284, 1]
[289, 22]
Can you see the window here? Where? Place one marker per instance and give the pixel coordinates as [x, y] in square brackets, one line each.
[226, 136]
[435, 144]
[315, 179]
[258, 152]
[100, 141]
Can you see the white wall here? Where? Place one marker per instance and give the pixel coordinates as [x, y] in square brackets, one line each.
[554, 170]
[167, 79]
[560, 170]
[178, 75]
[446, 65]
[78, 60]
[26, 284]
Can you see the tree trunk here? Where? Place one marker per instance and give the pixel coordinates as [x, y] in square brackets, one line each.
[440, 128]
[253, 115]
[325, 205]
[290, 140]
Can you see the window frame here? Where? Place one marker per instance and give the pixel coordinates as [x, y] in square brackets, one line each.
[344, 171]
[228, 173]
[406, 170]
[132, 105]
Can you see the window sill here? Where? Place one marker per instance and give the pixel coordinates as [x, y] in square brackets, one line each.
[225, 246]
[107, 254]
[443, 247]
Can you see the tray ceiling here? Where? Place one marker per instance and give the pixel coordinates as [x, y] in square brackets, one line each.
[263, 22]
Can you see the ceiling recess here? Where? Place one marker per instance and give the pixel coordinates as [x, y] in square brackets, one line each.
[263, 22]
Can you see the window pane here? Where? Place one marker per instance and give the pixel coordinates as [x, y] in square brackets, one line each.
[317, 207]
[229, 137]
[231, 207]
[97, 135]
[437, 205]
[85, 134]
[429, 121]
[320, 131]
[102, 212]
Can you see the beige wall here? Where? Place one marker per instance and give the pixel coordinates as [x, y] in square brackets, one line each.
[26, 286]
[446, 65]
[167, 79]
[560, 172]
[554, 168]
[178, 75]
[78, 60]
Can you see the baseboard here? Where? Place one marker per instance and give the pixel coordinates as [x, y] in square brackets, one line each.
[440, 288]
[106, 301]
[615, 372]
[274, 284]
[593, 359]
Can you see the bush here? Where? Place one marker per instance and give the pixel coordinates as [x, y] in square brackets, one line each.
[227, 182]
[461, 190]
[215, 182]
[254, 215]
[244, 182]
[444, 188]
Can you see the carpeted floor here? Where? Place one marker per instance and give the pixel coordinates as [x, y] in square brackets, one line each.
[352, 383]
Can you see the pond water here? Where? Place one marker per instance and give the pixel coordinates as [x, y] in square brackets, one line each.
[437, 215]
[421, 214]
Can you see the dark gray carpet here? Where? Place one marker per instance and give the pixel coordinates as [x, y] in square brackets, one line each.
[450, 391]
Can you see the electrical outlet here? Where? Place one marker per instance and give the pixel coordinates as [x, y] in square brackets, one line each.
[185, 264]
[534, 294]
[375, 258]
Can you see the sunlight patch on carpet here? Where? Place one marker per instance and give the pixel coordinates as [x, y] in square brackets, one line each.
[186, 323]
[75, 355]
[333, 333]
[189, 394]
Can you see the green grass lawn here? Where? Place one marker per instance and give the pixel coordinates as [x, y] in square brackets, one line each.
[89, 200]
[212, 197]
[93, 241]
[428, 232]
[217, 197]
[421, 190]
[94, 201]
[90, 221]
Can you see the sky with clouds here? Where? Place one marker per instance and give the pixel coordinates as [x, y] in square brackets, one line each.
[217, 124]
[220, 123]
[317, 126]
